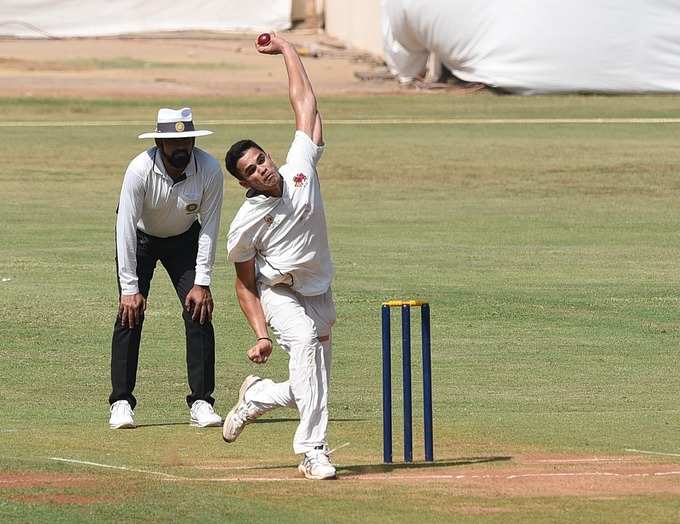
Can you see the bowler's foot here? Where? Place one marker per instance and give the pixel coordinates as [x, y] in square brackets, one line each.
[241, 414]
[316, 465]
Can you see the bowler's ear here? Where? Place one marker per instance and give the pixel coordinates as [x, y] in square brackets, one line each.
[243, 183]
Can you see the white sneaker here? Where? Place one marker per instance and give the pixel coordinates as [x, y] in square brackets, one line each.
[121, 415]
[316, 466]
[203, 415]
[241, 414]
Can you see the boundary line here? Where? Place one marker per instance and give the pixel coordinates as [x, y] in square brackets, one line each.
[350, 122]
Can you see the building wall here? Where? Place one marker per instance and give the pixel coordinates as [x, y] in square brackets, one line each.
[355, 22]
[299, 9]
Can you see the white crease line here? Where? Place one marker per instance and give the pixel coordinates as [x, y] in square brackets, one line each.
[176, 478]
[584, 474]
[108, 466]
[577, 461]
[595, 474]
[653, 452]
[8, 430]
[239, 479]
[241, 468]
[367, 121]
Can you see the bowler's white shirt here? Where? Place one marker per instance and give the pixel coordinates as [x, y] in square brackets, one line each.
[152, 202]
[287, 235]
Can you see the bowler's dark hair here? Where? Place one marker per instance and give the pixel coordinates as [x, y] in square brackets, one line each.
[236, 151]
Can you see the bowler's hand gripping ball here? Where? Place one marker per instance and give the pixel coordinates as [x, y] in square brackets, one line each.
[264, 39]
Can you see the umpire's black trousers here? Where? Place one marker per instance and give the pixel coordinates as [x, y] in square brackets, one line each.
[178, 256]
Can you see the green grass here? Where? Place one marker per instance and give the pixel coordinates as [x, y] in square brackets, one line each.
[550, 255]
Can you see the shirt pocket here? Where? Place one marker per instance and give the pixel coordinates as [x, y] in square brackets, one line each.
[189, 203]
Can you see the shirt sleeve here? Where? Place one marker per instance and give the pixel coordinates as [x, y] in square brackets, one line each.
[303, 151]
[130, 207]
[239, 248]
[211, 209]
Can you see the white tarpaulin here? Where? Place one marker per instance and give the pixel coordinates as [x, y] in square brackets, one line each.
[72, 18]
[540, 46]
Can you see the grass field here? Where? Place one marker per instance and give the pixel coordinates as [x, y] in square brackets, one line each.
[550, 254]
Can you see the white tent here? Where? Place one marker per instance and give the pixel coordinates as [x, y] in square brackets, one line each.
[530, 46]
[79, 18]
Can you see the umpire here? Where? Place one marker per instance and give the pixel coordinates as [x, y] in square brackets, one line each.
[169, 211]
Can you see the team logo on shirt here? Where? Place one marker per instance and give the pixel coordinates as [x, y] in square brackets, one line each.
[269, 220]
[190, 208]
[299, 180]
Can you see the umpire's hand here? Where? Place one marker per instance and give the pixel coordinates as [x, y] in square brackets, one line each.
[131, 309]
[199, 303]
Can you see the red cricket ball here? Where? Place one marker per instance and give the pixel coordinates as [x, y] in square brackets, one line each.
[264, 39]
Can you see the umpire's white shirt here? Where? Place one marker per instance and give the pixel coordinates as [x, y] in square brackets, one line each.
[287, 235]
[151, 203]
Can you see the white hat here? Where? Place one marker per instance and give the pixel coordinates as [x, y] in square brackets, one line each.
[175, 123]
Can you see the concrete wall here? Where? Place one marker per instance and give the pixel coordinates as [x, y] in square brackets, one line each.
[355, 22]
[299, 9]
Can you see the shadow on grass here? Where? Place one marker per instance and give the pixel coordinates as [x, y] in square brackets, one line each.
[359, 469]
[386, 468]
[276, 420]
[161, 424]
[260, 421]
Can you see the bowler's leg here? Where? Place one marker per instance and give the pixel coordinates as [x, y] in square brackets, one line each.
[297, 335]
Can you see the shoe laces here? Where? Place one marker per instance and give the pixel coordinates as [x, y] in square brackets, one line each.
[244, 412]
[321, 458]
[322, 455]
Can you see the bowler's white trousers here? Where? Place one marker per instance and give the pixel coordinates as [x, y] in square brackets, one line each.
[302, 326]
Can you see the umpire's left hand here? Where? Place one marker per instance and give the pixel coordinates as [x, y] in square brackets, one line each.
[199, 303]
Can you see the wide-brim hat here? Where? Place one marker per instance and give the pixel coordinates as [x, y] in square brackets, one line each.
[175, 123]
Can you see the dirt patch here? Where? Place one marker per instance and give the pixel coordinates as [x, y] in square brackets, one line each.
[53, 489]
[189, 65]
[542, 475]
[198, 65]
[41, 480]
[526, 475]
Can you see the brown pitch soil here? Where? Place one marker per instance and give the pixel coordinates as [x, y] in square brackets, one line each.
[517, 476]
[41, 480]
[487, 478]
[53, 489]
[184, 65]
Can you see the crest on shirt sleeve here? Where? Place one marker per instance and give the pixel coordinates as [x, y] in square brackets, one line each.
[268, 219]
[299, 180]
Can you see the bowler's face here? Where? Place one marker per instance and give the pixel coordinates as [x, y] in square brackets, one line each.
[258, 171]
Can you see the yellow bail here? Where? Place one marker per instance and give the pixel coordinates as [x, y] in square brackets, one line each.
[399, 303]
